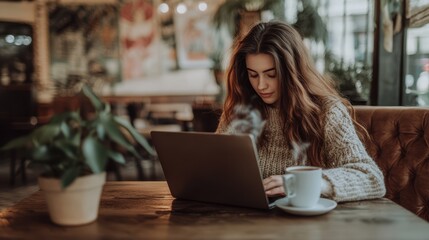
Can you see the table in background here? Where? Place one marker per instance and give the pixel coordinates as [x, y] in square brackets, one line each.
[137, 210]
[184, 86]
[191, 87]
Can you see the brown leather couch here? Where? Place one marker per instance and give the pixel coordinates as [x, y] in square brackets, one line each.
[400, 146]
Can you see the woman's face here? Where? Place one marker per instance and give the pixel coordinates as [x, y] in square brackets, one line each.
[263, 77]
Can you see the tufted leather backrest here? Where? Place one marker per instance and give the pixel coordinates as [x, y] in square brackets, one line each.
[400, 146]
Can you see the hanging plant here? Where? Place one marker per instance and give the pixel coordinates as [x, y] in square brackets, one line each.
[353, 80]
[310, 24]
[228, 13]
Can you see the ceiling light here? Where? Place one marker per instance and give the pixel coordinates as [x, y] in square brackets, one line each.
[181, 8]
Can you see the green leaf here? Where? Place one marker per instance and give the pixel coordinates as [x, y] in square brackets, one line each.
[96, 102]
[107, 108]
[95, 154]
[112, 130]
[137, 136]
[65, 129]
[17, 143]
[101, 132]
[69, 149]
[46, 133]
[63, 117]
[69, 176]
[59, 118]
[116, 156]
[75, 140]
[42, 153]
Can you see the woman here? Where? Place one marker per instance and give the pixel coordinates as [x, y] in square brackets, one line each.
[271, 71]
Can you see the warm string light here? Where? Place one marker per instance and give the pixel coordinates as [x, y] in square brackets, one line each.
[164, 8]
[182, 8]
[202, 6]
[18, 40]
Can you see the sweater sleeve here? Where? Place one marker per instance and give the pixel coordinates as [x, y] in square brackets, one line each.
[352, 173]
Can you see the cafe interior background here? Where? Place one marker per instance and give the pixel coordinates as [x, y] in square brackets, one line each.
[160, 63]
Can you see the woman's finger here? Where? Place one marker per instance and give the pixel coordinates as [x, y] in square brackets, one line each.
[275, 191]
[272, 182]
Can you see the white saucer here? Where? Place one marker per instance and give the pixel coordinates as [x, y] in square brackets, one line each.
[323, 206]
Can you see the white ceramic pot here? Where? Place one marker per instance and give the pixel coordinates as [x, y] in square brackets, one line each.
[78, 203]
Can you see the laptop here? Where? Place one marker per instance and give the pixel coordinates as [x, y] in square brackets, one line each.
[212, 168]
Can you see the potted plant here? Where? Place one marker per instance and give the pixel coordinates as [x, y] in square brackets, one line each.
[72, 152]
[353, 80]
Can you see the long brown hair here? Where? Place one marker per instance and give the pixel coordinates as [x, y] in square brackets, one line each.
[302, 87]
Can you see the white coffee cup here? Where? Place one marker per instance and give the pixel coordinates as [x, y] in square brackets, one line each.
[302, 185]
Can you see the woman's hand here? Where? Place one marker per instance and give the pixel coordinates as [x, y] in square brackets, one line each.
[273, 186]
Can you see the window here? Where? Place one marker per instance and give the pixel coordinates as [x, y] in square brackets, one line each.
[416, 80]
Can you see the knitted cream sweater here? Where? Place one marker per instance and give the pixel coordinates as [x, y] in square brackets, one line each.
[348, 167]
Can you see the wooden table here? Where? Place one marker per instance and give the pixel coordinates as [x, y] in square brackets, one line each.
[146, 210]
